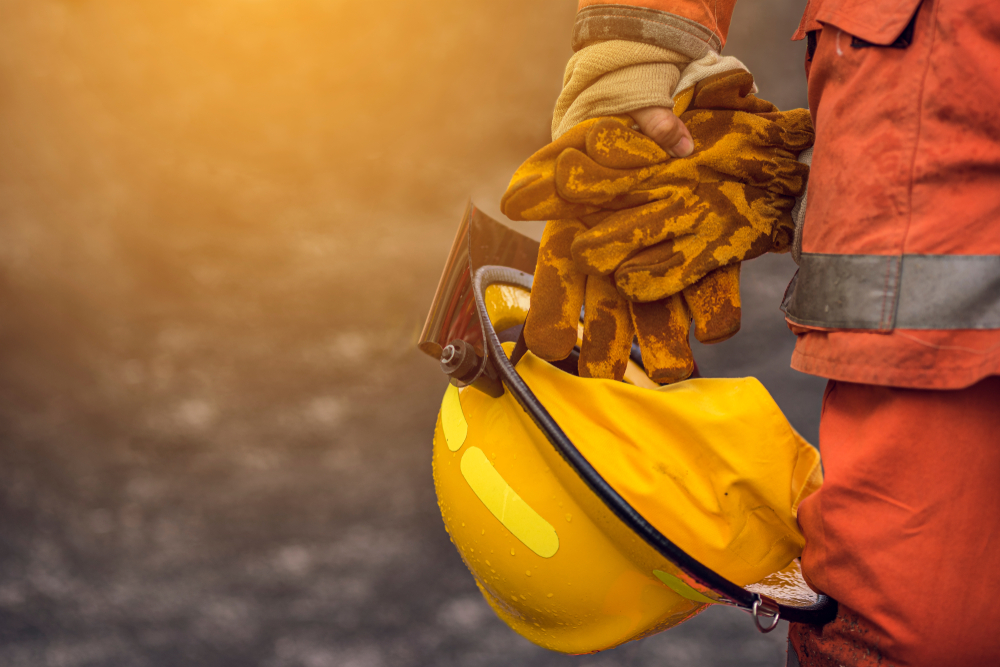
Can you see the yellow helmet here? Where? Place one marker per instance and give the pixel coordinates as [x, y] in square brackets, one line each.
[559, 491]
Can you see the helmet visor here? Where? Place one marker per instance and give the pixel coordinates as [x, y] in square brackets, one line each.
[480, 241]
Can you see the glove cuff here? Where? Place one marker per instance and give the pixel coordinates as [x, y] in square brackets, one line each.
[701, 69]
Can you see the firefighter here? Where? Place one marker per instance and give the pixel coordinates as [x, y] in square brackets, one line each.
[896, 301]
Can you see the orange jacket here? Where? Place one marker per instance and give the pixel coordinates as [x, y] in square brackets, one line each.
[899, 282]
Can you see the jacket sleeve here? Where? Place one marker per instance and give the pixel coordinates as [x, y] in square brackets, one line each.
[691, 27]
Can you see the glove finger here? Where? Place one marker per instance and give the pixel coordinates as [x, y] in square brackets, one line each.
[797, 133]
[613, 143]
[531, 194]
[748, 148]
[593, 219]
[580, 179]
[784, 234]
[725, 115]
[744, 223]
[714, 302]
[663, 328]
[729, 90]
[774, 141]
[534, 197]
[607, 331]
[550, 330]
[624, 234]
[663, 270]
[786, 177]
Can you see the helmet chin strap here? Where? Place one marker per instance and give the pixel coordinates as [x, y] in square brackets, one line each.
[723, 590]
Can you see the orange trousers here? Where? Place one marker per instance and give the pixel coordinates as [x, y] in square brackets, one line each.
[905, 532]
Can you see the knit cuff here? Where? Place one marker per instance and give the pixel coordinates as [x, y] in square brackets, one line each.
[615, 77]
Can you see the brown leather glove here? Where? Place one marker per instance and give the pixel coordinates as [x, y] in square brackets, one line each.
[660, 224]
[671, 232]
[611, 322]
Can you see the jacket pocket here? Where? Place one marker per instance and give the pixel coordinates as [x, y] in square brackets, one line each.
[881, 23]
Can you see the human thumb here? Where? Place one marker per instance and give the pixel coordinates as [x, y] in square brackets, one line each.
[662, 126]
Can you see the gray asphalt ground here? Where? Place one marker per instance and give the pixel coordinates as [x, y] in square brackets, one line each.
[221, 223]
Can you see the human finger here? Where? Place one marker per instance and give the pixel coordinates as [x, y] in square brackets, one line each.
[662, 126]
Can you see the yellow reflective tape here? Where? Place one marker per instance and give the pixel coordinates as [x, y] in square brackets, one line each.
[456, 429]
[515, 514]
[682, 589]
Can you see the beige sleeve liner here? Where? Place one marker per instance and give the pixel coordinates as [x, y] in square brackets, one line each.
[615, 77]
[618, 76]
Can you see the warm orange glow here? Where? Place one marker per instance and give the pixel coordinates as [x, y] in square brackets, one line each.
[221, 225]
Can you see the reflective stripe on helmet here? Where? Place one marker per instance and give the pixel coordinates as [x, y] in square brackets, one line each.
[507, 506]
[886, 292]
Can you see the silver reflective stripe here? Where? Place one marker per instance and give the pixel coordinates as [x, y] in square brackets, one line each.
[895, 292]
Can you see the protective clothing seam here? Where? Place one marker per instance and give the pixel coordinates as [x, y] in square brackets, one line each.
[850, 364]
[952, 348]
[921, 103]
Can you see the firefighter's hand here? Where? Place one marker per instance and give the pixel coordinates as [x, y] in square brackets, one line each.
[662, 126]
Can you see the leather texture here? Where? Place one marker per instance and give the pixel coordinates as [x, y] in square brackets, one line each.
[665, 233]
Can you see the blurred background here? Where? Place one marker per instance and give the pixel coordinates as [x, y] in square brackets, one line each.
[221, 224]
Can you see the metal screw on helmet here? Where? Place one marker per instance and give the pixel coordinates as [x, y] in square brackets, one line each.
[459, 360]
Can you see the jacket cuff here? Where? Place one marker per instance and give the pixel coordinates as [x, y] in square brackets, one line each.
[640, 24]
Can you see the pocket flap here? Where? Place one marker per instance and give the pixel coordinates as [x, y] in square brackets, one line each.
[880, 22]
